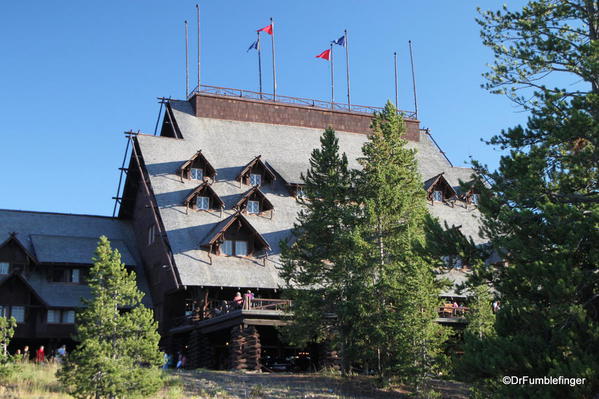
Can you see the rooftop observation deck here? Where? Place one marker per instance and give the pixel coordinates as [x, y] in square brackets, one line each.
[250, 106]
[270, 312]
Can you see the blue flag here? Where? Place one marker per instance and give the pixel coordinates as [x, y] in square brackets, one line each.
[340, 41]
[253, 46]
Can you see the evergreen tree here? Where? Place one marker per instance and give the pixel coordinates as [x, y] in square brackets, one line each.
[7, 330]
[118, 355]
[318, 263]
[404, 299]
[542, 207]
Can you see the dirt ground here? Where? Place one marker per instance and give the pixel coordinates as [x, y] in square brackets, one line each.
[234, 385]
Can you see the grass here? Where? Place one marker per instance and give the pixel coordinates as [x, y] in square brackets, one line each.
[34, 381]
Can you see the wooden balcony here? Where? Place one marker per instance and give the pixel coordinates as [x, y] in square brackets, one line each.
[449, 314]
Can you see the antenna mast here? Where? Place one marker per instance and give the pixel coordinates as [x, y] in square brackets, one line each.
[413, 79]
[186, 62]
[199, 44]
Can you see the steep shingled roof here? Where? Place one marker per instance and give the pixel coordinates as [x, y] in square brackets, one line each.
[69, 238]
[286, 149]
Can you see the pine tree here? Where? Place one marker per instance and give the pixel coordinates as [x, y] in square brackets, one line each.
[318, 263]
[7, 330]
[541, 210]
[117, 355]
[404, 298]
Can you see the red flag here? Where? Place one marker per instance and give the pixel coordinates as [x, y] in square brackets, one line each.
[267, 29]
[325, 55]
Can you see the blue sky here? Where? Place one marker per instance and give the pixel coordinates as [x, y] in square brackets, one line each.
[76, 74]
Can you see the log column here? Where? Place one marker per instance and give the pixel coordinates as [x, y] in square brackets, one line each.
[200, 351]
[245, 349]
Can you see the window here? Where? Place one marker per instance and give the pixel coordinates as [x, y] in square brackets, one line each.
[75, 276]
[475, 198]
[56, 316]
[235, 248]
[3, 311]
[253, 206]
[203, 203]
[18, 312]
[4, 267]
[227, 247]
[438, 195]
[241, 248]
[255, 179]
[197, 174]
[68, 316]
[151, 234]
[53, 316]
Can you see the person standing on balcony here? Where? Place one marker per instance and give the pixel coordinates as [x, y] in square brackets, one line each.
[238, 300]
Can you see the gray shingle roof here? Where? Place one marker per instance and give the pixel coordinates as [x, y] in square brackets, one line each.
[62, 249]
[68, 238]
[229, 146]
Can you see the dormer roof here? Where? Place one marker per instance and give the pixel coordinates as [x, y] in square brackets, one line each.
[439, 183]
[199, 160]
[254, 193]
[256, 163]
[12, 239]
[207, 190]
[216, 234]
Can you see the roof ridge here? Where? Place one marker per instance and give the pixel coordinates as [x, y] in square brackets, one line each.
[60, 213]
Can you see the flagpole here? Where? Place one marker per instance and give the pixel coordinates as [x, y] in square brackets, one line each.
[259, 65]
[347, 68]
[199, 45]
[395, 64]
[332, 80]
[274, 67]
[413, 80]
[186, 62]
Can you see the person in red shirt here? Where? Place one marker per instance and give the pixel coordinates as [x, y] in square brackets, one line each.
[40, 356]
[238, 300]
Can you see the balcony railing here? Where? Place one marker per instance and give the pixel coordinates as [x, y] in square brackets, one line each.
[452, 312]
[304, 102]
[217, 308]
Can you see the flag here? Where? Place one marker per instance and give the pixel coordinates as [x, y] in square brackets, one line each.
[325, 55]
[253, 46]
[340, 41]
[267, 29]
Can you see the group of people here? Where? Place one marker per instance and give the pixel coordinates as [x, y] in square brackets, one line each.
[244, 301]
[169, 361]
[40, 355]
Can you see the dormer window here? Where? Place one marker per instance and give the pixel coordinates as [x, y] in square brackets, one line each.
[439, 190]
[254, 202]
[197, 168]
[197, 174]
[256, 173]
[475, 198]
[4, 268]
[202, 203]
[235, 236]
[255, 179]
[203, 198]
[253, 207]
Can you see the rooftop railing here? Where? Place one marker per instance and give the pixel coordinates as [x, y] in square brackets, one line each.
[304, 102]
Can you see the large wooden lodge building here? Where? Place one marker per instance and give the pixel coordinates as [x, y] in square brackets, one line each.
[203, 209]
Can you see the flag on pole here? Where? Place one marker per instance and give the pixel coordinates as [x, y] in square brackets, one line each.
[253, 46]
[267, 29]
[325, 55]
[340, 41]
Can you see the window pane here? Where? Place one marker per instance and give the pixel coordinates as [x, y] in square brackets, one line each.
[75, 276]
[3, 311]
[253, 207]
[197, 174]
[203, 203]
[151, 234]
[227, 247]
[68, 316]
[438, 195]
[4, 268]
[53, 316]
[255, 180]
[475, 198]
[18, 312]
[241, 248]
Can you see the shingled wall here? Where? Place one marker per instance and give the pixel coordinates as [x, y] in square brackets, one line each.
[248, 110]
